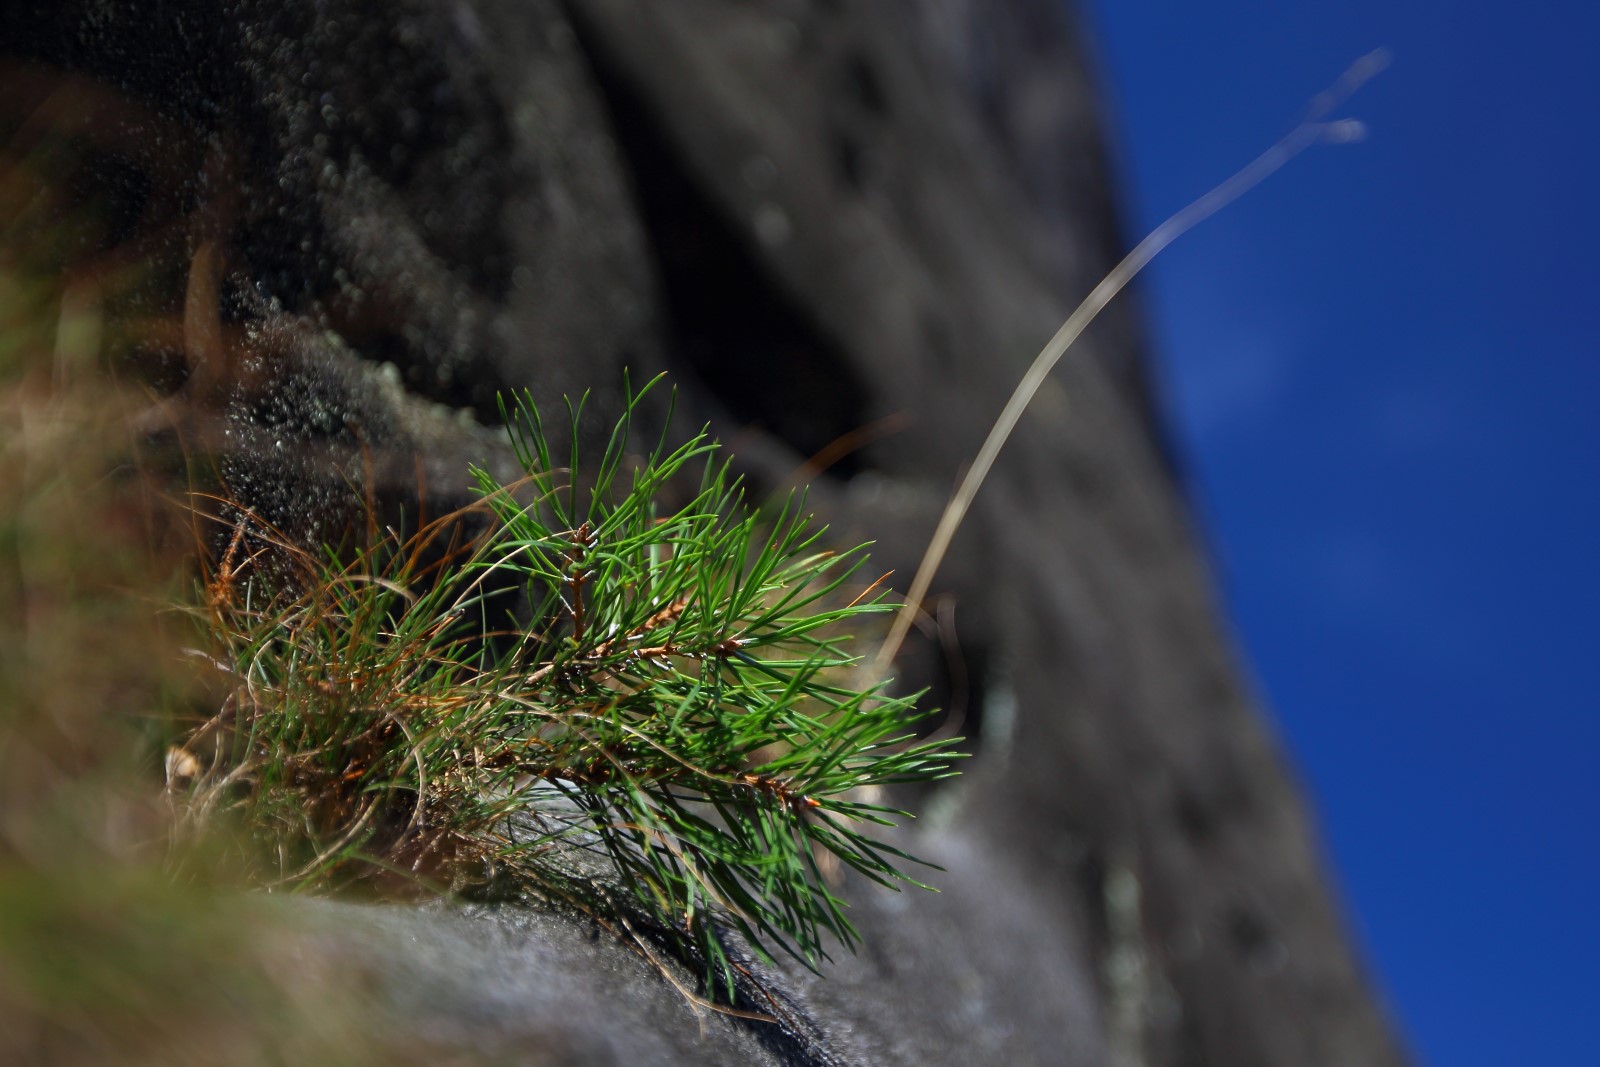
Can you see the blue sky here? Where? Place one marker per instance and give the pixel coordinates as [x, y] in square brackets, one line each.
[1381, 369]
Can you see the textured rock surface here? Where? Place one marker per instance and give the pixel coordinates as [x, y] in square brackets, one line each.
[833, 223]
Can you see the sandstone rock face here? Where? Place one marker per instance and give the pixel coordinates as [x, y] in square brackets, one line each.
[844, 229]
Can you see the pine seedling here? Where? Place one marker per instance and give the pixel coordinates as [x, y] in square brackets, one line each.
[643, 710]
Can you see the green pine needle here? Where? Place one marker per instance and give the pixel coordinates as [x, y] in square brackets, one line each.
[642, 711]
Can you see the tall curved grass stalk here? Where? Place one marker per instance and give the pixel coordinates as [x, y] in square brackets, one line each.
[1315, 127]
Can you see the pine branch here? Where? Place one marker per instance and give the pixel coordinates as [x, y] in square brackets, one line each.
[664, 727]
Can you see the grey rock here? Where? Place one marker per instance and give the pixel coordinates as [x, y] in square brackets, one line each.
[831, 223]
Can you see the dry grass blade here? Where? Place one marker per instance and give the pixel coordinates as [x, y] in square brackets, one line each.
[1314, 128]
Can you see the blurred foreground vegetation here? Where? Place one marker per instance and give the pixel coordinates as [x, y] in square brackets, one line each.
[105, 958]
